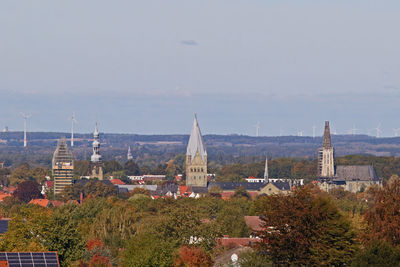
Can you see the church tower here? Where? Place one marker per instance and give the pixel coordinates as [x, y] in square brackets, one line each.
[96, 165]
[129, 155]
[325, 155]
[196, 158]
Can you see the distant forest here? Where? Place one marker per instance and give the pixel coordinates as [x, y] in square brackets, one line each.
[153, 150]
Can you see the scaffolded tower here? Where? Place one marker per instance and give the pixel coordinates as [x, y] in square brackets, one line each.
[63, 166]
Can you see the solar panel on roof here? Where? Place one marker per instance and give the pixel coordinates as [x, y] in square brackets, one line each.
[30, 259]
[3, 226]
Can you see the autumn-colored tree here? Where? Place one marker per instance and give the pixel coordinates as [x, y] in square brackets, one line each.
[97, 252]
[383, 217]
[241, 192]
[139, 190]
[193, 257]
[170, 171]
[306, 229]
[28, 190]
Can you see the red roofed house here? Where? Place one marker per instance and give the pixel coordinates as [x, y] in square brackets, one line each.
[116, 181]
[255, 224]
[3, 196]
[9, 189]
[41, 202]
[184, 191]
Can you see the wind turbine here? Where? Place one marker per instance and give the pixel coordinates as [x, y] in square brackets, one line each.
[299, 133]
[26, 117]
[257, 128]
[73, 121]
[353, 131]
[378, 130]
[396, 132]
[313, 131]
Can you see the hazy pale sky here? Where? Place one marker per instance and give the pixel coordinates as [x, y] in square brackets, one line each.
[146, 66]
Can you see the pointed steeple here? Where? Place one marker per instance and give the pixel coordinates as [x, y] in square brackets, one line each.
[266, 169]
[96, 131]
[129, 156]
[196, 143]
[327, 136]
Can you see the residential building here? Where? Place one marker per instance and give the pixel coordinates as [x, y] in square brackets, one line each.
[196, 158]
[62, 166]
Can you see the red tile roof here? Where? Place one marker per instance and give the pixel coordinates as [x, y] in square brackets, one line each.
[57, 203]
[254, 223]
[184, 189]
[3, 263]
[40, 202]
[116, 181]
[3, 196]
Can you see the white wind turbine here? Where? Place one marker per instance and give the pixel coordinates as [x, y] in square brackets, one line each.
[313, 131]
[378, 130]
[257, 128]
[26, 117]
[353, 131]
[299, 133]
[396, 132]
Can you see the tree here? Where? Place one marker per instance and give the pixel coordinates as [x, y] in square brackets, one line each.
[306, 228]
[193, 257]
[377, 254]
[112, 166]
[20, 174]
[28, 190]
[383, 217]
[131, 168]
[170, 170]
[231, 221]
[241, 192]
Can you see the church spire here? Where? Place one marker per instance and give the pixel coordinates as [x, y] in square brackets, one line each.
[129, 156]
[196, 143]
[327, 136]
[196, 158]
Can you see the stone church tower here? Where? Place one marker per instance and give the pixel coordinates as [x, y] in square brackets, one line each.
[96, 165]
[325, 155]
[196, 158]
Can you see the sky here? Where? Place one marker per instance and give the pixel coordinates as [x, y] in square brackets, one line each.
[146, 66]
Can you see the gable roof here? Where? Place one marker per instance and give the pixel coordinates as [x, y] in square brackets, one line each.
[40, 202]
[281, 185]
[196, 143]
[116, 181]
[356, 173]
[254, 223]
